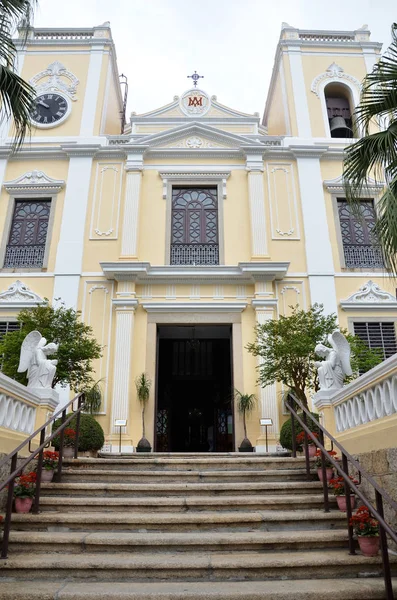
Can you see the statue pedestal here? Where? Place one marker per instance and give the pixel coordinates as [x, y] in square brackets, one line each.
[48, 397]
[323, 402]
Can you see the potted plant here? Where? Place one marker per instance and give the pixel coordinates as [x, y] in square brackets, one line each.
[338, 487]
[367, 530]
[91, 436]
[142, 384]
[50, 464]
[245, 405]
[24, 491]
[69, 441]
[300, 441]
[328, 465]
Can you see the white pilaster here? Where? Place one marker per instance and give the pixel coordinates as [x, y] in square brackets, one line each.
[129, 240]
[91, 91]
[299, 92]
[256, 194]
[68, 263]
[320, 264]
[125, 314]
[267, 395]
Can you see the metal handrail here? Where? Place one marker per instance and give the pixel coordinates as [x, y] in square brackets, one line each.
[15, 470]
[380, 493]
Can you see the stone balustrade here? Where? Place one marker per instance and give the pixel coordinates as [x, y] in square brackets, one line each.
[22, 411]
[368, 398]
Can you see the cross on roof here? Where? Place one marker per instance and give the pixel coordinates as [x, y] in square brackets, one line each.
[195, 78]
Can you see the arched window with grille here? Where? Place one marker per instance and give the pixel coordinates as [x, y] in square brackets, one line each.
[194, 222]
[28, 234]
[339, 110]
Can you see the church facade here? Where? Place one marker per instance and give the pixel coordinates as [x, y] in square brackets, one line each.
[176, 232]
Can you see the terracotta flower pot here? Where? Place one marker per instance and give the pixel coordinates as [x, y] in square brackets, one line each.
[311, 449]
[23, 505]
[341, 500]
[369, 545]
[329, 473]
[68, 452]
[46, 476]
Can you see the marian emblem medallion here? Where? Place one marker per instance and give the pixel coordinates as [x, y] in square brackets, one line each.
[195, 102]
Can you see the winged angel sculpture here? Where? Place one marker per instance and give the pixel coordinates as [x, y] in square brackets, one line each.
[336, 364]
[33, 359]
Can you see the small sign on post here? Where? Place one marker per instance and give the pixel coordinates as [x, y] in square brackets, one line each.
[266, 422]
[120, 423]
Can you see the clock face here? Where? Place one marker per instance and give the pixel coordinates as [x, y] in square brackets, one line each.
[49, 110]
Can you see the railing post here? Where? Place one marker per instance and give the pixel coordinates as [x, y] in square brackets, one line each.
[308, 474]
[383, 548]
[78, 418]
[345, 468]
[7, 521]
[36, 504]
[293, 434]
[61, 437]
[324, 472]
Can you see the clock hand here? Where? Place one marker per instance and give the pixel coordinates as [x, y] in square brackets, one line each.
[43, 104]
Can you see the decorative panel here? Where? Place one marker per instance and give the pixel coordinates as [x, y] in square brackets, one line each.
[282, 199]
[106, 203]
[291, 293]
[97, 312]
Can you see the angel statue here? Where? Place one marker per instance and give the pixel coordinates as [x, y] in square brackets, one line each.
[33, 359]
[332, 370]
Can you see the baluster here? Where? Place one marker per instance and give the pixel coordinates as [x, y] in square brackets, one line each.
[10, 497]
[345, 468]
[324, 472]
[36, 504]
[383, 548]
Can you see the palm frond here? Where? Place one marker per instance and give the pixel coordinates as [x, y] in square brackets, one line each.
[245, 402]
[386, 226]
[142, 385]
[16, 95]
[16, 98]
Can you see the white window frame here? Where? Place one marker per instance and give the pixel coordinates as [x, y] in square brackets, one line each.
[32, 186]
[195, 179]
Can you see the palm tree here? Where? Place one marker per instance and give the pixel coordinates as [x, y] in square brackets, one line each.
[245, 404]
[16, 95]
[142, 384]
[376, 153]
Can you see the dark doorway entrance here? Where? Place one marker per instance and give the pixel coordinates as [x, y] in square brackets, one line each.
[194, 389]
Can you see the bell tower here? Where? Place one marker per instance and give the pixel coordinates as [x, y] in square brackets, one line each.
[316, 81]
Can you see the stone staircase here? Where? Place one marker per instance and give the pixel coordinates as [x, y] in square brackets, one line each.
[186, 527]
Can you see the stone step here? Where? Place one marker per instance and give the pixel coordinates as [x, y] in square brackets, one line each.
[146, 490]
[304, 589]
[81, 542]
[149, 504]
[204, 462]
[282, 520]
[216, 566]
[279, 476]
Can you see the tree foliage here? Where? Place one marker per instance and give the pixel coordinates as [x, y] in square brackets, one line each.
[375, 154]
[77, 345]
[286, 349]
[91, 435]
[16, 95]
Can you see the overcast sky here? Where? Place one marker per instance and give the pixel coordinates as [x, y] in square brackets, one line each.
[231, 42]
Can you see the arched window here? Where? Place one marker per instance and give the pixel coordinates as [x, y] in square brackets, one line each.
[339, 110]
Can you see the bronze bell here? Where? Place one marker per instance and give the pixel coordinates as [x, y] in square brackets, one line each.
[339, 128]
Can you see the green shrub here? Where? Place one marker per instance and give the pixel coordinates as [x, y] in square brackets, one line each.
[91, 433]
[286, 430]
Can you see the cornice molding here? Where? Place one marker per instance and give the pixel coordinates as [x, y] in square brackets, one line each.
[269, 304]
[19, 296]
[197, 176]
[194, 307]
[370, 297]
[307, 151]
[144, 272]
[83, 150]
[127, 304]
[34, 182]
[335, 186]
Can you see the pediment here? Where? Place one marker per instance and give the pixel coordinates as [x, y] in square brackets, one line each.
[196, 136]
[34, 181]
[18, 296]
[336, 186]
[370, 295]
[194, 103]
